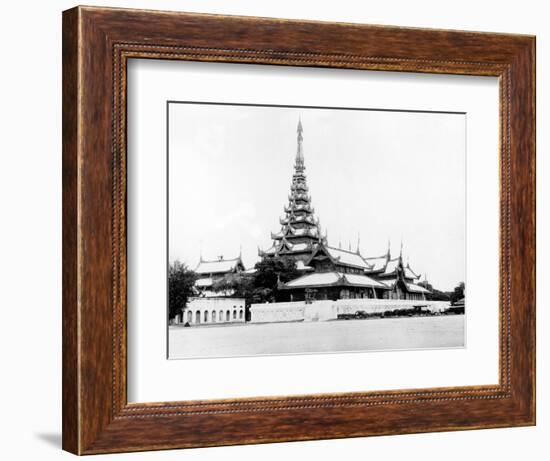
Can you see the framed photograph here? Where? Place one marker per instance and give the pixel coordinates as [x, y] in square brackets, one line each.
[282, 230]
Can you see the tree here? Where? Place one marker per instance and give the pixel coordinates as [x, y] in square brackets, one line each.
[181, 280]
[269, 272]
[438, 295]
[239, 284]
[434, 294]
[458, 293]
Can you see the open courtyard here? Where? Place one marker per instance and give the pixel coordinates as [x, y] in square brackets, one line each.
[446, 331]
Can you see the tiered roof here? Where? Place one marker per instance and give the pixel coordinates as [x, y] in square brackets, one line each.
[219, 266]
[389, 270]
[300, 232]
[387, 267]
[396, 266]
[209, 271]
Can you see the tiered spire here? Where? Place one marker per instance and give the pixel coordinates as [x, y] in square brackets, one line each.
[299, 165]
[300, 231]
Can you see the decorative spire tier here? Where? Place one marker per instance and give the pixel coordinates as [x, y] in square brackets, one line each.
[300, 231]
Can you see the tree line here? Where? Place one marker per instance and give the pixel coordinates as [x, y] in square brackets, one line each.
[437, 295]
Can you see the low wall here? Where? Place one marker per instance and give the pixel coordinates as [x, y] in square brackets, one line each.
[329, 310]
[375, 306]
[200, 311]
[277, 312]
[320, 311]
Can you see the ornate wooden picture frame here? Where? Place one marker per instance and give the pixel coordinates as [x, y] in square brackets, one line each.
[97, 44]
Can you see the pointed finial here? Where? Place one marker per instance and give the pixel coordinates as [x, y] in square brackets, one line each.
[349, 245]
[340, 244]
[240, 251]
[358, 242]
[388, 253]
[200, 251]
[299, 150]
[401, 250]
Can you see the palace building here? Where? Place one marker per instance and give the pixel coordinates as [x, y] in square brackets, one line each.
[329, 272]
[398, 277]
[209, 306]
[209, 272]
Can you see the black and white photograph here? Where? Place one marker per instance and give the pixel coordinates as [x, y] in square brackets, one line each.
[299, 230]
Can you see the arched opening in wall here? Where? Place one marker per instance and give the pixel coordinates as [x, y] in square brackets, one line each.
[198, 317]
[235, 314]
[227, 316]
[213, 316]
[221, 316]
[205, 316]
[190, 316]
[241, 314]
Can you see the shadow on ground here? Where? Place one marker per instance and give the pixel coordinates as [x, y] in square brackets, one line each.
[51, 438]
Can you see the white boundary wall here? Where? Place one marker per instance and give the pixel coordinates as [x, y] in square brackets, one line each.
[372, 306]
[214, 310]
[329, 310]
[277, 312]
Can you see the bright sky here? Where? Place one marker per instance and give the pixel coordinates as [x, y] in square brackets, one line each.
[380, 175]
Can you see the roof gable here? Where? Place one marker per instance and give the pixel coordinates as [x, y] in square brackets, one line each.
[377, 263]
[410, 274]
[342, 257]
[414, 288]
[391, 267]
[219, 266]
[347, 258]
[320, 279]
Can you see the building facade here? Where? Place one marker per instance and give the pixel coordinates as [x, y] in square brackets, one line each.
[335, 274]
[212, 310]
